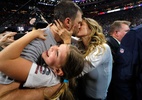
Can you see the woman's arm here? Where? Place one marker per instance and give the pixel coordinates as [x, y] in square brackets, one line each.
[10, 61]
[64, 34]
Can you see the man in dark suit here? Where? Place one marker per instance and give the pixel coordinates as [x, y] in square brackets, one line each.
[117, 31]
[128, 70]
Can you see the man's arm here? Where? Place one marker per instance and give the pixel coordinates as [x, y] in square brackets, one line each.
[12, 92]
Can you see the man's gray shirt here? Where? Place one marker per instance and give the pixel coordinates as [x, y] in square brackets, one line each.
[33, 52]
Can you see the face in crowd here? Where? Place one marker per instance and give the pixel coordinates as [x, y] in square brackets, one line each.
[122, 31]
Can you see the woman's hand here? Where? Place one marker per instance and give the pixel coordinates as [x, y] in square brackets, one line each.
[64, 34]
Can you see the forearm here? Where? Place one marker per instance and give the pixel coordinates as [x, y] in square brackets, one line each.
[24, 94]
[12, 92]
[10, 58]
[14, 50]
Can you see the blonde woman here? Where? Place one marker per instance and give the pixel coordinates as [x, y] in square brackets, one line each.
[98, 53]
[96, 75]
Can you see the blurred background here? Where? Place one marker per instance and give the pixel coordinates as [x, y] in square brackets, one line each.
[18, 13]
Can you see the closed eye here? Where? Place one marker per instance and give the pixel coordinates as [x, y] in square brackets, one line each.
[57, 53]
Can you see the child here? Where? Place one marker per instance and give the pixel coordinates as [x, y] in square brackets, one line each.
[65, 61]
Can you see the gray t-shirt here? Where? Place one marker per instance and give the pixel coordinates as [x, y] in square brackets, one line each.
[35, 48]
[33, 52]
[4, 79]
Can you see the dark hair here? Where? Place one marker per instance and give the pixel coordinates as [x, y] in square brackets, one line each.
[66, 9]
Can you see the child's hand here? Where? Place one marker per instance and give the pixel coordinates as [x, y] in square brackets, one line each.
[40, 33]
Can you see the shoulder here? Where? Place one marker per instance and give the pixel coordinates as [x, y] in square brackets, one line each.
[106, 46]
[107, 49]
[135, 31]
[139, 27]
[109, 38]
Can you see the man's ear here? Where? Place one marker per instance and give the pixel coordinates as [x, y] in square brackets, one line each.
[117, 33]
[58, 71]
[67, 23]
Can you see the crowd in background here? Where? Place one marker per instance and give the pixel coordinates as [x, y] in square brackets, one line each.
[133, 15]
[98, 57]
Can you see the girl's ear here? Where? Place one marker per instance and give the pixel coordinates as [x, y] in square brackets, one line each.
[58, 71]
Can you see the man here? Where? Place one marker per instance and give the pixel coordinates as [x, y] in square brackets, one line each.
[71, 16]
[117, 31]
[128, 70]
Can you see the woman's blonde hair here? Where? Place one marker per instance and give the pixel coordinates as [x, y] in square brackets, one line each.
[97, 36]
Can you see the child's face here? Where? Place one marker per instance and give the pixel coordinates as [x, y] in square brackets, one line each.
[56, 55]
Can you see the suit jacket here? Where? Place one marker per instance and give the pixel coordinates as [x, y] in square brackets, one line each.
[114, 45]
[127, 74]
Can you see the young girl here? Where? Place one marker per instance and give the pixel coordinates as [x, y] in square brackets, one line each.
[65, 61]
